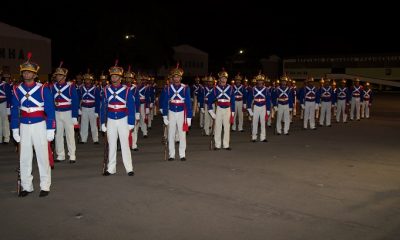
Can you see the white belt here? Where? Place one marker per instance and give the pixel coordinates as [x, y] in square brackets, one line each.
[223, 100]
[177, 101]
[116, 106]
[62, 103]
[259, 100]
[88, 101]
[32, 109]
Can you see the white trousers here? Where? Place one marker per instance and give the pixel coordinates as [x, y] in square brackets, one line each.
[238, 114]
[135, 135]
[259, 116]
[365, 109]
[64, 123]
[89, 117]
[176, 125]
[326, 110]
[202, 115]
[283, 114]
[355, 105]
[207, 121]
[143, 125]
[309, 114]
[195, 106]
[222, 121]
[34, 135]
[118, 128]
[341, 110]
[4, 123]
[151, 117]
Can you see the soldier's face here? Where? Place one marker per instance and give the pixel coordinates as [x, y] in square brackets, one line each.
[88, 81]
[259, 83]
[176, 79]
[223, 80]
[115, 79]
[28, 75]
[60, 77]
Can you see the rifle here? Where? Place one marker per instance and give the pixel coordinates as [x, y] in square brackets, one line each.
[164, 140]
[105, 157]
[19, 186]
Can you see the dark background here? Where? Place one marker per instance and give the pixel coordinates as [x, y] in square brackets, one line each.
[92, 35]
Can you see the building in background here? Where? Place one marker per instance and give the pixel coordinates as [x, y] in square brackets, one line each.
[15, 43]
[193, 61]
[380, 69]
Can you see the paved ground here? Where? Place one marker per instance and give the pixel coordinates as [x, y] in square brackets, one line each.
[333, 183]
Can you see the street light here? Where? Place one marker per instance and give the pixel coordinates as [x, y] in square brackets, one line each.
[128, 36]
[241, 51]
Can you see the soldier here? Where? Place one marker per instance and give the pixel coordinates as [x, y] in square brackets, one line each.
[5, 102]
[283, 105]
[334, 89]
[129, 78]
[177, 113]
[152, 96]
[366, 100]
[224, 96]
[203, 100]
[117, 116]
[342, 96]
[355, 99]
[240, 103]
[260, 99]
[195, 92]
[327, 101]
[66, 105]
[89, 96]
[32, 123]
[294, 89]
[144, 96]
[310, 103]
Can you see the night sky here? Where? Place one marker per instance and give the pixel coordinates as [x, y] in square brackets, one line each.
[92, 36]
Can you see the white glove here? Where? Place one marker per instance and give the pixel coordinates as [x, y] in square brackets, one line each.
[147, 111]
[166, 122]
[268, 113]
[275, 108]
[233, 114]
[189, 121]
[16, 136]
[290, 109]
[80, 112]
[212, 114]
[198, 104]
[316, 106]
[161, 110]
[103, 127]
[151, 105]
[250, 111]
[8, 111]
[50, 134]
[74, 121]
[131, 127]
[202, 110]
[302, 106]
[96, 114]
[245, 106]
[137, 116]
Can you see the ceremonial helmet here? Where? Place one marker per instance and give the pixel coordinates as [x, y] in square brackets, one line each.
[115, 70]
[260, 77]
[238, 77]
[177, 71]
[28, 65]
[367, 84]
[223, 73]
[284, 79]
[60, 70]
[129, 73]
[88, 76]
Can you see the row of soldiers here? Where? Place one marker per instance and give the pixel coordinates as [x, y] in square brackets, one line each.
[282, 98]
[42, 112]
